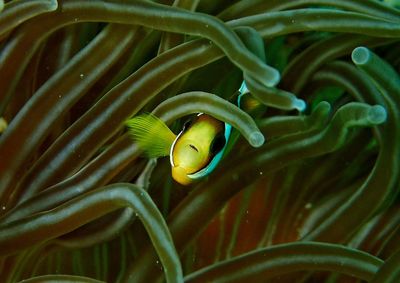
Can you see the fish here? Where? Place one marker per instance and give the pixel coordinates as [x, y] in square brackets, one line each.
[194, 152]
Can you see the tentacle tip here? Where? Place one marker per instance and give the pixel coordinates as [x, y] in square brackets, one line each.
[360, 55]
[377, 114]
[299, 104]
[256, 139]
[53, 5]
[271, 78]
[274, 78]
[324, 106]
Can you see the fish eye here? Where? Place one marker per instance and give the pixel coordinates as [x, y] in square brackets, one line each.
[195, 148]
[217, 144]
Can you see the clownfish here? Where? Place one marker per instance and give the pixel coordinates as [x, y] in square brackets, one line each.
[197, 149]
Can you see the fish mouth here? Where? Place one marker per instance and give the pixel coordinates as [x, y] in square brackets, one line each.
[180, 175]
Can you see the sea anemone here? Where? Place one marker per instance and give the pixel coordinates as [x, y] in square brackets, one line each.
[306, 192]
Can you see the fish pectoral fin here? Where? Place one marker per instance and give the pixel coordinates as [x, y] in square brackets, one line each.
[151, 134]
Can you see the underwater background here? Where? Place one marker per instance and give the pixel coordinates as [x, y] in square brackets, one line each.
[317, 201]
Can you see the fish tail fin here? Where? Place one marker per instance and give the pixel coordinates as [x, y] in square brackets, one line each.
[151, 134]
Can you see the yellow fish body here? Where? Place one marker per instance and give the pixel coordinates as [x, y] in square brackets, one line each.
[193, 153]
[195, 148]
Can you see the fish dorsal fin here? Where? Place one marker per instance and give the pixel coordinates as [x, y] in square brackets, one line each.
[151, 134]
